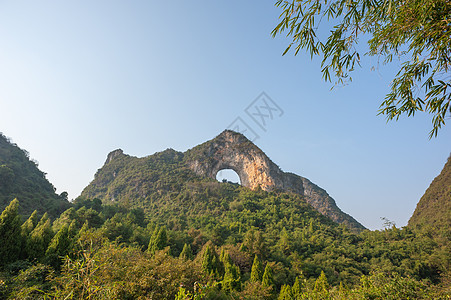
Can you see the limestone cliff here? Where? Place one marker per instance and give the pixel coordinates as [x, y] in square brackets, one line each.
[231, 150]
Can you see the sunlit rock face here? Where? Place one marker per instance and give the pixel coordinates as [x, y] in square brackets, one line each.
[231, 150]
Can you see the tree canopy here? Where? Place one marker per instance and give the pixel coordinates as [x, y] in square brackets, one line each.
[416, 32]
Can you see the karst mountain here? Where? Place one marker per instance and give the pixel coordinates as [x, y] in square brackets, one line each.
[140, 182]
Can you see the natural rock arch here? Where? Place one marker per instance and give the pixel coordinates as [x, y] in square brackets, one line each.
[228, 174]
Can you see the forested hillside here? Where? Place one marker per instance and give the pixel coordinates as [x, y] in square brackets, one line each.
[196, 238]
[20, 178]
[433, 212]
[231, 243]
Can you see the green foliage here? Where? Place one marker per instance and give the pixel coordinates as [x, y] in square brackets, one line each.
[30, 224]
[20, 178]
[267, 279]
[158, 240]
[296, 290]
[211, 265]
[39, 239]
[321, 288]
[232, 275]
[60, 246]
[257, 270]
[285, 293]
[396, 29]
[433, 212]
[10, 234]
[187, 253]
[126, 250]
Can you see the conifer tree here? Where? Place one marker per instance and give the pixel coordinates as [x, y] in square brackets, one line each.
[284, 242]
[162, 239]
[82, 230]
[158, 240]
[10, 234]
[232, 274]
[43, 219]
[257, 270]
[296, 290]
[211, 265]
[207, 260]
[39, 239]
[321, 288]
[286, 293]
[187, 253]
[59, 247]
[268, 280]
[30, 224]
[72, 230]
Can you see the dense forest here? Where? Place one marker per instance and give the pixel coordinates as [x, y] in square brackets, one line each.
[250, 245]
[195, 238]
[21, 178]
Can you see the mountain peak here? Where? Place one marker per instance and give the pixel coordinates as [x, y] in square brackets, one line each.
[114, 154]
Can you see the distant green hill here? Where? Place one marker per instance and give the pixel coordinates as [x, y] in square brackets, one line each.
[20, 178]
[433, 211]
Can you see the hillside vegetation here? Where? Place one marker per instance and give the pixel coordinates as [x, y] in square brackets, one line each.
[177, 235]
[433, 211]
[20, 178]
[201, 239]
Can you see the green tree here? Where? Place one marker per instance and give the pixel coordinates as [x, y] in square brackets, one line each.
[39, 239]
[211, 265]
[30, 224]
[187, 253]
[267, 279]
[417, 32]
[10, 233]
[296, 288]
[321, 288]
[59, 247]
[257, 270]
[254, 242]
[232, 274]
[285, 293]
[158, 240]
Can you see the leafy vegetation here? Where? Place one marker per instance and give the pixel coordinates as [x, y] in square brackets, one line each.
[433, 212]
[20, 178]
[181, 236]
[417, 32]
[231, 243]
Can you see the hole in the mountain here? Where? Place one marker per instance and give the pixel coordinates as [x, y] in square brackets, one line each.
[228, 175]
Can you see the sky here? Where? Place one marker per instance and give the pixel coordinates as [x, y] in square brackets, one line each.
[79, 79]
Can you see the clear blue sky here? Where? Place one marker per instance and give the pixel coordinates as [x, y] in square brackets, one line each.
[79, 79]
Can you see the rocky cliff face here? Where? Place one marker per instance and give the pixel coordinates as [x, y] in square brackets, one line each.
[231, 150]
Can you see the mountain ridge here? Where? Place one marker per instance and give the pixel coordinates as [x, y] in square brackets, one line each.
[227, 150]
